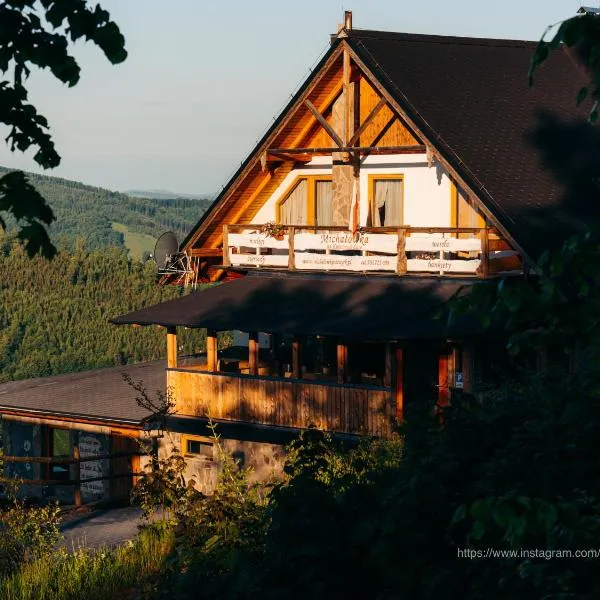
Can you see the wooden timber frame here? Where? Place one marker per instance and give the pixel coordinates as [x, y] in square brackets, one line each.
[286, 145]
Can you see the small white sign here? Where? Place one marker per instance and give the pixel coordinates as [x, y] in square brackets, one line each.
[458, 380]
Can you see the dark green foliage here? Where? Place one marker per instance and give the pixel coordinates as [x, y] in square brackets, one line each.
[54, 315]
[84, 211]
[38, 34]
[515, 470]
[582, 33]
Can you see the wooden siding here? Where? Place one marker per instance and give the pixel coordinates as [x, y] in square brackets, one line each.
[397, 134]
[282, 402]
[120, 487]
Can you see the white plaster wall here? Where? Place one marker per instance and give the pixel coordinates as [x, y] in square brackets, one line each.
[426, 189]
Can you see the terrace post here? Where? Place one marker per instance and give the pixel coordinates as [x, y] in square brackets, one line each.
[485, 254]
[296, 358]
[253, 352]
[401, 267]
[398, 381]
[226, 261]
[342, 362]
[211, 350]
[77, 464]
[171, 347]
[291, 251]
[444, 368]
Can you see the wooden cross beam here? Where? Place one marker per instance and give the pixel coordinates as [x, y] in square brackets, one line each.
[328, 128]
[382, 102]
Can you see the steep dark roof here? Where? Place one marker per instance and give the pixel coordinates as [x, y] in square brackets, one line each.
[471, 97]
[346, 306]
[96, 395]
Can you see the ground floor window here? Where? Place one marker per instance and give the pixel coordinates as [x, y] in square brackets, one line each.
[60, 447]
[197, 447]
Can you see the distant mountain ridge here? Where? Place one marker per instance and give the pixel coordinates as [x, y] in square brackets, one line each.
[101, 216]
[166, 194]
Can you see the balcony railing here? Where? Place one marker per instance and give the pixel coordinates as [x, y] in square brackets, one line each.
[440, 250]
[361, 410]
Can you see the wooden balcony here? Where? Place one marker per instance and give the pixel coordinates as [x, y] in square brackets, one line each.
[460, 251]
[343, 408]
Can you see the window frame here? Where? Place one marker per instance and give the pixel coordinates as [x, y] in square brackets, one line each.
[196, 438]
[372, 180]
[59, 472]
[454, 206]
[311, 201]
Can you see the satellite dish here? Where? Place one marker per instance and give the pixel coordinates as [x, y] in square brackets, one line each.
[166, 247]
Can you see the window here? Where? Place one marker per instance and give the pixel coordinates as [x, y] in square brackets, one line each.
[464, 213]
[197, 447]
[308, 202]
[294, 209]
[386, 196]
[323, 202]
[60, 447]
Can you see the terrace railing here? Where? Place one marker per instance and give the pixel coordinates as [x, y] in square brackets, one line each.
[402, 250]
[344, 408]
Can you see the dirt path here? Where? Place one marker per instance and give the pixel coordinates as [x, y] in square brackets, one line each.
[105, 528]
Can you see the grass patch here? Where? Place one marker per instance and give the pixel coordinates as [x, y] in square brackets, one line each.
[93, 575]
[136, 243]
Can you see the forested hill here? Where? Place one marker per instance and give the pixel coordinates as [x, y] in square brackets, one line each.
[54, 314]
[101, 216]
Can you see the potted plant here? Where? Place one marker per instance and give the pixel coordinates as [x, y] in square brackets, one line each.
[274, 230]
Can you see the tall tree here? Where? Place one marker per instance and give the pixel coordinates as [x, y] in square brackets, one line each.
[40, 33]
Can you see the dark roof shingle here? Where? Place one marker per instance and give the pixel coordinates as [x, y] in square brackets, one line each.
[96, 395]
[472, 97]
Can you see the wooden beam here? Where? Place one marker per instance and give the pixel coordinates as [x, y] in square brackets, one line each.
[296, 359]
[171, 347]
[346, 84]
[414, 149]
[484, 267]
[77, 493]
[326, 126]
[382, 102]
[342, 363]
[211, 350]
[225, 248]
[322, 108]
[303, 158]
[202, 252]
[443, 383]
[384, 130]
[253, 353]
[398, 382]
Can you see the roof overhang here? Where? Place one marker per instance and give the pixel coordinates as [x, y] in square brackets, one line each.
[348, 307]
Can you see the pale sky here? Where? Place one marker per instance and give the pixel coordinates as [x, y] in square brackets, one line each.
[204, 79]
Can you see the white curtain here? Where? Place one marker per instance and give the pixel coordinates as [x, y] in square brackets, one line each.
[294, 207]
[387, 204]
[324, 200]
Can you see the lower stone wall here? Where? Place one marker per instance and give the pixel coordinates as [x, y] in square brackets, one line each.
[265, 460]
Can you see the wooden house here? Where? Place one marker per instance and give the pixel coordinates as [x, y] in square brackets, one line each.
[401, 173]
